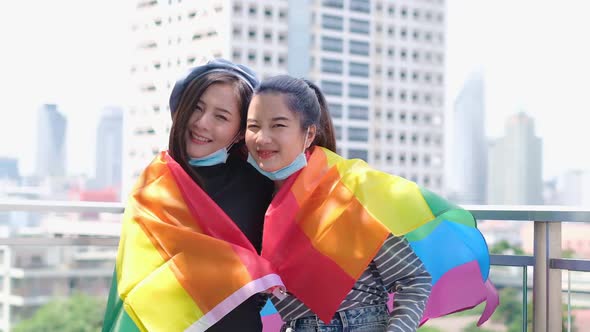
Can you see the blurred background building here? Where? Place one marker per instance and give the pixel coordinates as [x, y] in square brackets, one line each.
[380, 64]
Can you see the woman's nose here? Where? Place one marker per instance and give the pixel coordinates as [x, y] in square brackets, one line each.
[202, 122]
[262, 137]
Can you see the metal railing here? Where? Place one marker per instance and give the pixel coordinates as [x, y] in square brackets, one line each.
[547, 261]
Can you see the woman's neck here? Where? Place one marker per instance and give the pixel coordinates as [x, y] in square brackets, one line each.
[278, 185]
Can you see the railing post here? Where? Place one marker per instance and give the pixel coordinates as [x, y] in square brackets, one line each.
[547, 300]
[554, 294]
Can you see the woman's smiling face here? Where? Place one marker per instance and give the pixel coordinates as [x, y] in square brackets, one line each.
[274, 135]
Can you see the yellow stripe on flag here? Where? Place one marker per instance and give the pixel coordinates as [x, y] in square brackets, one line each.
[380, 192]
[162, 303]
[139, 261]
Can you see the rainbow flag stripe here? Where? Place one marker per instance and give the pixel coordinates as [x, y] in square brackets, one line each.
[326, 224]
[182, 263]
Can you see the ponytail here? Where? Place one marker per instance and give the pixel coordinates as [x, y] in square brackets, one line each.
[325, 133]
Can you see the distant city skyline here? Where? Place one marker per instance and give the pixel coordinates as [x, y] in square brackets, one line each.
[535, 67]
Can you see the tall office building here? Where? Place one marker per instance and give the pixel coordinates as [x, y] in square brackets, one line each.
[515, 166]
[109, 150]
[468, 163]
[380, 64]
[51, 142]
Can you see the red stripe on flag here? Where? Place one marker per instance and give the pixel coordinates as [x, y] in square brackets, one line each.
[213, 220]
[308, 274]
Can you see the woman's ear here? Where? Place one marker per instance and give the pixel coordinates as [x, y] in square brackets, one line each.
[311, 135]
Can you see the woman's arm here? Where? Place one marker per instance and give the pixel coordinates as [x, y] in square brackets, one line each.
[404, 274]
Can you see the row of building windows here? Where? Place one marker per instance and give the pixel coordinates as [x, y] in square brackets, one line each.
[416, 34]
[418, 56]
[362, 6]
[416, 14]
[335, 66]
[335, 44]
[253, 10]
[415, 97]
[413, 118]
[268, 35]
[415, 76]
[334, 88]
[355, 134]
[192, 14]
[355, 112]
[411, 159]
[333, 22]
[252, 57]
[414, 139]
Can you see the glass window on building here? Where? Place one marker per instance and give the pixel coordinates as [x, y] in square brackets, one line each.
[252, 11]
[358, 134]
[363, 6]
[358, 112]
[338, 132]
[333, 44]
[358, 69]
[335, 110]
[333, 3]
[359, 47]
[358, 154]
[332, 66]
[358, 91]
[332, 22]
[268, 12]
[360, 26]
[332, 88]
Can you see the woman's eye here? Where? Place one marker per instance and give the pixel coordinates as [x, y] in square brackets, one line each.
[221, 117]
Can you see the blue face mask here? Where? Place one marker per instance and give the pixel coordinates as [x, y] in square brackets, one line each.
[216, 158]
[286, 171]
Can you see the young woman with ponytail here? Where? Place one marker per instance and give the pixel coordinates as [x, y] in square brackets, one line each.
[343, 237]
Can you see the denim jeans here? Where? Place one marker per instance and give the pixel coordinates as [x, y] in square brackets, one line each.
[361, 319]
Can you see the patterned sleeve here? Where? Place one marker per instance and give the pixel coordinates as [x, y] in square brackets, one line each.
[404, 275]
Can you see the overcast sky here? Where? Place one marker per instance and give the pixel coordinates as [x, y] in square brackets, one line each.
[534, 55]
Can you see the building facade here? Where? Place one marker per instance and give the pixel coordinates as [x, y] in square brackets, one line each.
[515, 166]
[109, 148]
[380, 64]
[468, 162]
[51, 142]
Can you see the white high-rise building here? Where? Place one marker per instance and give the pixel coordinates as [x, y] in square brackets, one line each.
[468, 163]
[515, 166]
[379, 62]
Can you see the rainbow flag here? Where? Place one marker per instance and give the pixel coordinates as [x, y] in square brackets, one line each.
[326, 224]
[182, 263]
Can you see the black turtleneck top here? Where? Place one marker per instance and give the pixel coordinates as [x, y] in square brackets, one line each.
[244, 195]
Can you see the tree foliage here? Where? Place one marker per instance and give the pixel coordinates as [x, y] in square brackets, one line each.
[79, 313]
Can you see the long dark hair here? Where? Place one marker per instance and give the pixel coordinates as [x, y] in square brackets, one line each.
[188, 103]
[305, 98]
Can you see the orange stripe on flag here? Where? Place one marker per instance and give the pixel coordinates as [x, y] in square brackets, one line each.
[333, 225]
[172, 230]
[309, 179]
[157, 182]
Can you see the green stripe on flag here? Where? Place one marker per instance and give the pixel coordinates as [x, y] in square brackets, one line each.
[116, 318]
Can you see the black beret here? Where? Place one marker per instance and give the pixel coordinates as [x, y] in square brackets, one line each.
[241, 71]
